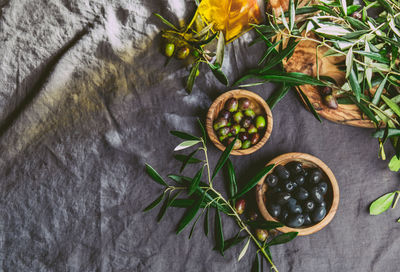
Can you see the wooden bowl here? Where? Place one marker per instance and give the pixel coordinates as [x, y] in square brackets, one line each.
[332, 197]
[259, 106]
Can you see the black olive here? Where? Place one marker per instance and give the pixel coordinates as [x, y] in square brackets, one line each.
[301, 194]
[325, 91]
[244, 103]
[316, 195]
[284, 215]
[291, 202]
[295, 221]
[271, 180]
[323, 187]
[308, 206]
[294, 208]
[254, 138]
[244, 136]
[315, 176]
[300, 179]
[274, 209]
[322, 204]
[225, 114]
[288, 185]
[282, 198]
[231, 105]
[307, 219]
[318, 214]
[219, 123]
[246, 122]
[274, 190]
[295, 167]
[282, 172]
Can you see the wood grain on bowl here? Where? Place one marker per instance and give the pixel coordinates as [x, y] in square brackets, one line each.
[259, 106]
[332, 196]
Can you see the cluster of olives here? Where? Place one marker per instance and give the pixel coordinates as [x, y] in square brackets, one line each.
[237, 118]
[295, 195]
[180, 52]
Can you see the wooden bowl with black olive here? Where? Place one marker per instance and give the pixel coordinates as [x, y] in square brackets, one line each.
[243, 114]
[301, 192]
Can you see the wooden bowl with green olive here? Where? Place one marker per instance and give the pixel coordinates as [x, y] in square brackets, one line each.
[302, 193]
[239, 113]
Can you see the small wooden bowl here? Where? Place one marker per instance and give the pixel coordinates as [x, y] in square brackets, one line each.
[259, 106]
[332, 197]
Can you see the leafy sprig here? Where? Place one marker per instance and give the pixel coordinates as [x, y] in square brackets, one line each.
[384, 203]
[202, 196]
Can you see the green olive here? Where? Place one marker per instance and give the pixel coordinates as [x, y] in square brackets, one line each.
[235, 129]
[242, 130]
[238, 116]
[252, 129]
[261, 234]
[222, 138]
[169, 49]
[237, 145]
[246, 122]
[223, 131]
[219, 123]
[260, 122]
[246, 144]
[183, 52]
[197, 72]
[244, 103]
[250, 113]
[231, 105]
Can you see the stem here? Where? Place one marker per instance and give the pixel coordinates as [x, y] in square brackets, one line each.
[397, 199]
[207, 162]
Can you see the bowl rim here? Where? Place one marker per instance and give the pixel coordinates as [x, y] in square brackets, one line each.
[244, 93]
[332, 180]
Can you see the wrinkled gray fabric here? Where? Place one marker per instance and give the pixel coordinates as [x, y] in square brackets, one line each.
[85, 101]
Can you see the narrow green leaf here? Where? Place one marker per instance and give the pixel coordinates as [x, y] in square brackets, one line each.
[188, 159]
[343, 4]
[352, 8]
[292, 14]
[345, 101]
[220, 49]
[263, 224]
[163, 209]
[283, 18]
[165, 21]
[382, 204]
[190, 214]
[233, 241]
[391, 41]
[224, 157]
[186, 144]
[309, 105]
[154, 175]
[203, 131]
[196, 180]
[292, 78]
[395, 108]
[184, 158]
[373, 55]
[279, 57]
[386, 6]
[355, 86]
[154, 203]
[326, 9]
[256, 264]
[232, 180]
[398, 221]
[278, 95]
[269, 50]
[379, 91]
[194, 225]
[268, 251]
[179, 179]
[365, 110]
[206, 41]
[206, 224]
[244, 250]
[394, 164]
[184, 135]
[253, 182]
[217, 72]
[302, 10]
[192, 77]
[349, 60]
[219, 234]
[182, 203]
[282, 238]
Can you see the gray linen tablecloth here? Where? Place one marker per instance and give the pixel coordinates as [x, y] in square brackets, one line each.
[85, 101]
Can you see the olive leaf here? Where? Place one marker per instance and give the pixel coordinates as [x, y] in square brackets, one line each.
[282, 238]
[196, 180]
[269, 50]
[292, 14]
[395, 108]
[185, 158]
[224, 157]
[279, 57]
[256, 264]
[220, 49]
[192, 77]
[184, 135]
[155, 176]
[309, 105]
[382, 204]
[153, 204]
[278, 95]
[186, 144]
[219, 234]
[190, 214]
[189, 159]
[244, 250]
[349, 60]
[233, 241]
[343, 4]
[391, 132]
[379, 91]
[203, 131]
[263, 224]
[232, 180]
[253, 182]
[163, 208]
[355, 86]
[206, 224]
[394, 164]
[365, 109]
[217, 72]
[166, 22]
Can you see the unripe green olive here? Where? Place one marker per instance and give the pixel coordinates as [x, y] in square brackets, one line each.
[240, 205]
[235, 129]
[261, 234]
[250, 113]
[169, 49]
[246, 144]
[260, 122]
[182, 53]
[223, 131]
[225, 114]
[197, 72]
[231, 105]
[252, 129]
[219, 123]
[244, 103]
[222, 138]
[238, 116]
[254, 138]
